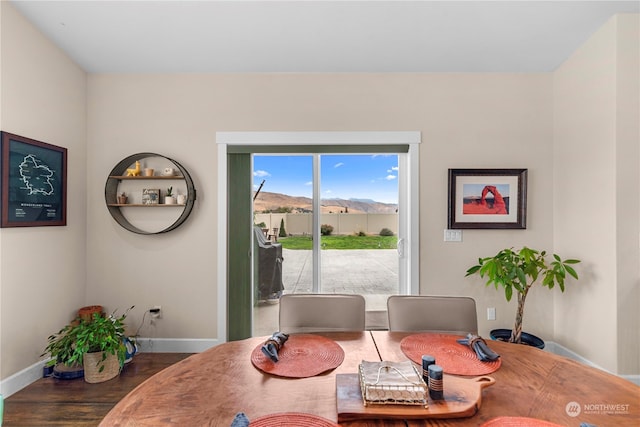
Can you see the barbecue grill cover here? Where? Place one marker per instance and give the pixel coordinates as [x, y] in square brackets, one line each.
[269, 267]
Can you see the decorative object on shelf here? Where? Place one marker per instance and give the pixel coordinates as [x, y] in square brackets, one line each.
[169, 199]
[33, 175]
[122, 198]
[168, 172]
[487, 198]
[150, 196]
[117, 177]
[96, 344]
[518, 271]
[135, 171]
[182, 199]
[148, 172]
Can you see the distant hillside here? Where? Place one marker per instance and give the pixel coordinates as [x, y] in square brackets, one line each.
[272, 201]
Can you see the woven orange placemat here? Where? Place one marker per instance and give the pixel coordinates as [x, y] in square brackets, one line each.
[292, 419]
[302, 356]
[455, 358]
[518, 422]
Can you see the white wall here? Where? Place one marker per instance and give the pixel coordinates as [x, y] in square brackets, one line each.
[596, 195]
[466, 120]
[492, 120]
[43, 272]
[628, 192]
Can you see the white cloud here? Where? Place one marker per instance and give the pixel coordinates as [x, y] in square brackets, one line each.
[308, 183]
[393, 169]
[390, 177]
[261, 174]
[337, 165]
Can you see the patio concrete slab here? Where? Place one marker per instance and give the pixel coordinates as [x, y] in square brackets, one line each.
[372, 273]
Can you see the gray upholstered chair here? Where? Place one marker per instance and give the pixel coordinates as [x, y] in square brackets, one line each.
[301, 313]
[452, 315]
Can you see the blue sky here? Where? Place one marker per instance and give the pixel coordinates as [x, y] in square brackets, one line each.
[362, 176]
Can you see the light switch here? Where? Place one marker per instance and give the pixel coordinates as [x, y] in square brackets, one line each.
[491, 313]
[453, 235]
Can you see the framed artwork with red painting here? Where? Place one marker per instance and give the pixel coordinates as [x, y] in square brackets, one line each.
[487, 198]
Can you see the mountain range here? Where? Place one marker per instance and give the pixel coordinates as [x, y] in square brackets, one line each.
[272, 201]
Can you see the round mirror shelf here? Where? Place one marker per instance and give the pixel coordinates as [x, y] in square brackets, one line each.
[119, 176]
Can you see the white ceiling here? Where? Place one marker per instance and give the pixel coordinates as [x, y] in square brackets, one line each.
[319, 36]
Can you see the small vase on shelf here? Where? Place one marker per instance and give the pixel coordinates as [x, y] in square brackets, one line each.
[169, 199]
[122, 199]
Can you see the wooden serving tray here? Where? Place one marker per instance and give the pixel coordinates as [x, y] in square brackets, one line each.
[462, 398]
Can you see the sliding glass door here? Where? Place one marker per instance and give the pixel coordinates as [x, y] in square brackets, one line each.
[335, 220]
[238, 267]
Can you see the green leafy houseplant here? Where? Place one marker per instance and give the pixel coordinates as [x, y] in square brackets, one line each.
[100, 334]
[518, 271]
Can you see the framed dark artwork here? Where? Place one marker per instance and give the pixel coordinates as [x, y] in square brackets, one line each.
[487, 198]
[33, 182]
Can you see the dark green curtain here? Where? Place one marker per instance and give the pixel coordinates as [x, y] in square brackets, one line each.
[239, 243]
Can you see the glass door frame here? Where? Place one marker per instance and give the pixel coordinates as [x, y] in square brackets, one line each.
[408, 242]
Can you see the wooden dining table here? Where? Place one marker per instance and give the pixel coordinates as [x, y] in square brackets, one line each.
[210, 388]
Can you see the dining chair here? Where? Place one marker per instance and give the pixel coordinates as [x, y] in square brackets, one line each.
[301, 313]
[444, 314]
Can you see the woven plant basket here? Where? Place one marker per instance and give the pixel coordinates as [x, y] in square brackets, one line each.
[92, 364]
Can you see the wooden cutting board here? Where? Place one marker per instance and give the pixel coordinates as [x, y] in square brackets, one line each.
[462, 398]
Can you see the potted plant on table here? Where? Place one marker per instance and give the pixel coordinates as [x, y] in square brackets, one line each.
[517, 271]
[98, 344]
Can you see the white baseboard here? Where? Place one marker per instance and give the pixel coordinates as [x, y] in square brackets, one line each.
[555, 348]
[560, 350]
[31, 374]
[174, 345]
[20, 380]
[633, 378]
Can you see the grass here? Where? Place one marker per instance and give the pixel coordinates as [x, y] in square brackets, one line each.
[341, 242]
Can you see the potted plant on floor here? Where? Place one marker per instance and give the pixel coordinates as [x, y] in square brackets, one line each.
[64, 364]
[98, 344]
[517, 271]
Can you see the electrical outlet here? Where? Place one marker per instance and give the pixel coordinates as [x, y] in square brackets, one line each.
[156, 312]
[491, 313]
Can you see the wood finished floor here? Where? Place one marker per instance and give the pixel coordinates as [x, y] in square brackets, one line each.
[74, 403]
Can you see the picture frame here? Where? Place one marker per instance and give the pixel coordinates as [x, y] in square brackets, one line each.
[150, 196]
[487, 199]
[33, 183]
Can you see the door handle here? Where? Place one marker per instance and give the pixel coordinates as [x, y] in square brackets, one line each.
[400, 248]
